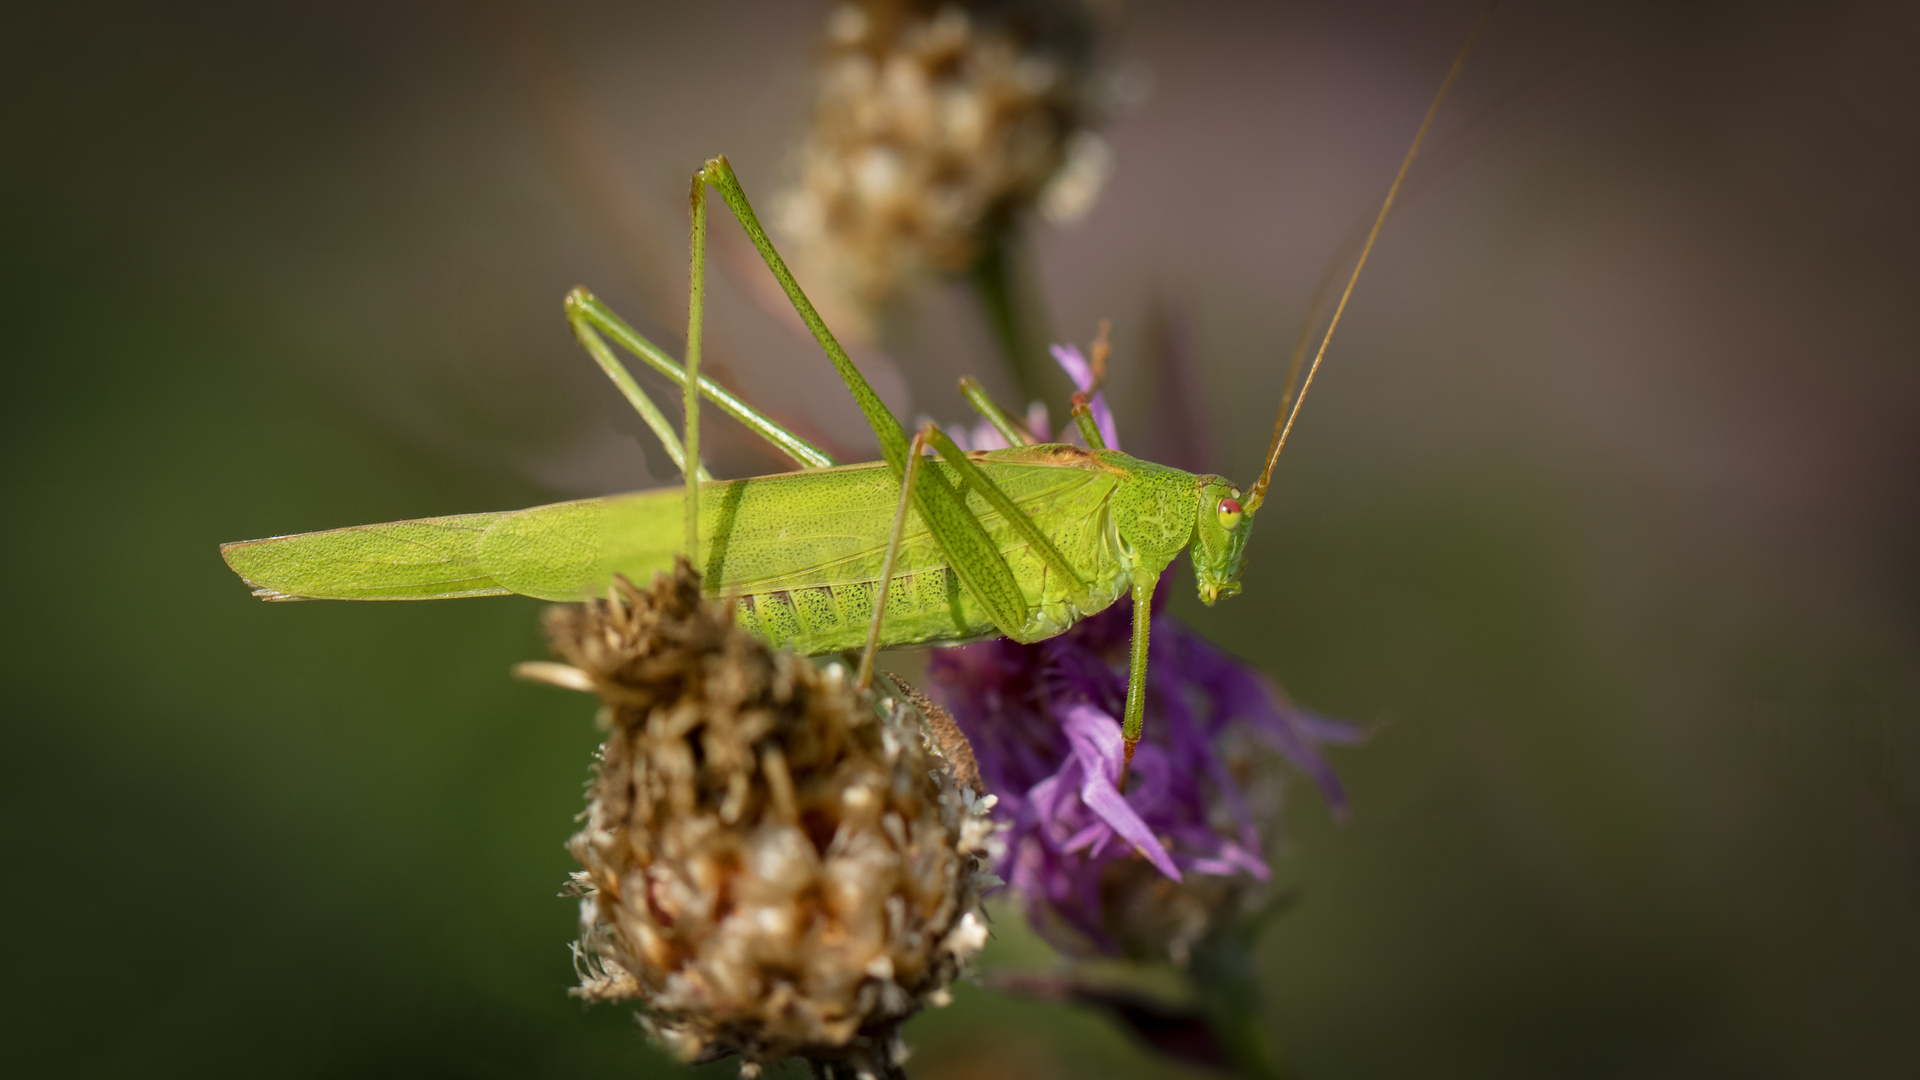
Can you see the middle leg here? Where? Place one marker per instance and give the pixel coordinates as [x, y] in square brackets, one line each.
[916, 459]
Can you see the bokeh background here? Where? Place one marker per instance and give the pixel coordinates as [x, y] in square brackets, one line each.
[1602, 516]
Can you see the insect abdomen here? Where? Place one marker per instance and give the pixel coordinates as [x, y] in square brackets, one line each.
[922, 607]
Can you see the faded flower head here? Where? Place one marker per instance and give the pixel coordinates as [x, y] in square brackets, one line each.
[936, 123]
[774, 865]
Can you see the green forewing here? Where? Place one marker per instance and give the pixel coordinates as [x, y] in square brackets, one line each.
[804, 550]
[425, 559]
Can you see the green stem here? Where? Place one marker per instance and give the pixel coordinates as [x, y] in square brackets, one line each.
[1016, 313]
[1227, 987]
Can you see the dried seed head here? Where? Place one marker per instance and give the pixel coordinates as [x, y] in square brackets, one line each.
[774, 865]
[936, 123]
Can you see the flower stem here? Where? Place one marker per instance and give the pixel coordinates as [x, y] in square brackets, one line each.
[1008, 290]
[1227, 987]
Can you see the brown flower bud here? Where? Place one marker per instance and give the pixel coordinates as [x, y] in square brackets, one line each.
[936, 123]
[774, 864]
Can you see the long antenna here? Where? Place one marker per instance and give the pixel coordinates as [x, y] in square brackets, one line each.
[1284, 424]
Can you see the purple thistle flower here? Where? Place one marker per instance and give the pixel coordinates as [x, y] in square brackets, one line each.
[1043, 721]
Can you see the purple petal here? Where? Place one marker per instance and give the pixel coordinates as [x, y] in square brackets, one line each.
[988, 437]
[1276, 724]
[1228, 868]
[1229, 858]
[1075, 365]
[1086, 837]
[1097, 743]
[1241, 693]
[1044, 799]
[1038, 424]
[1103, 419]
[1327, 729]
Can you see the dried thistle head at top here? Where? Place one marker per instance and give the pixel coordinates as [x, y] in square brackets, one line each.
[774, 864]
[936, 124]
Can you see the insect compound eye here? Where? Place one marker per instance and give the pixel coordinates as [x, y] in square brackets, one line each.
[1230, 514]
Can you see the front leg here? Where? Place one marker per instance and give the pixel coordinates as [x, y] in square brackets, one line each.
[1143, 585]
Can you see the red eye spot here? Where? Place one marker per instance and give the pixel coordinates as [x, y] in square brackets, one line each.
[1229, 514]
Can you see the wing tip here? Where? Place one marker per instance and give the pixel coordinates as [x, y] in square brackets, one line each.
[228, 551]
[315, 566]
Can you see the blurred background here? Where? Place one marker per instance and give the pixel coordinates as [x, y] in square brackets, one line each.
[1602, 516]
